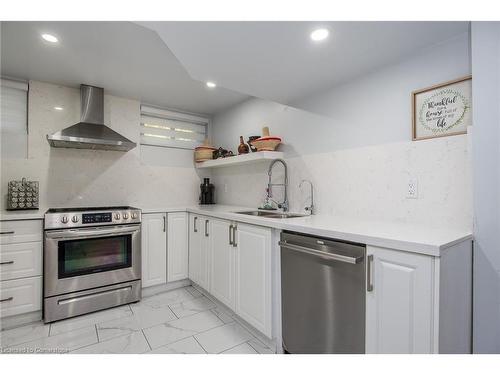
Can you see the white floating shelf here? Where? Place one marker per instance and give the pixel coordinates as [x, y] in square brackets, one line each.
[252, 157]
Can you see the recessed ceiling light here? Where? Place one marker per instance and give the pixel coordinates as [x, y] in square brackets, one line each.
[211, 85]
[58, 108]
[319, 34]
[50, 38]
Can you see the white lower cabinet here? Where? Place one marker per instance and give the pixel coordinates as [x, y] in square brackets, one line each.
[222, 258]
[233, 262]
[199, 248]
[419, 303]
[20, 296]
[253, 276]
[399, 308]
[177, 248]
[154, 249]
[20, 267]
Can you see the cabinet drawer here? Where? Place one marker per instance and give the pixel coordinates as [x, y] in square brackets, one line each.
[20, 260]
[20, 296]
[17, 231]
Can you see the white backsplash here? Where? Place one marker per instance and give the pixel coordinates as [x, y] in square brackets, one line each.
[368, 182]
[72, 177]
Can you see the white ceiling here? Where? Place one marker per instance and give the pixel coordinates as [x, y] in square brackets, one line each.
[278, 61]
[167, 63]
[126, 59]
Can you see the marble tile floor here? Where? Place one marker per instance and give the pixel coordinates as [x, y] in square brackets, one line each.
[179, 321]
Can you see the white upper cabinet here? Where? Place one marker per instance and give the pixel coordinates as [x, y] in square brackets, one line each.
[177, 249]
[154, 249]
[253, 276]
[222, 261]
[399, 309]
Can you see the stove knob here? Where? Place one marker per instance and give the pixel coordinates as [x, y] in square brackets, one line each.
[117, 216]
[134, 215]
[64, 219]
[75, 219]
[125, 215]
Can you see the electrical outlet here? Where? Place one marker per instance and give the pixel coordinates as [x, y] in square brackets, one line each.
[225, 188]
[412, 192]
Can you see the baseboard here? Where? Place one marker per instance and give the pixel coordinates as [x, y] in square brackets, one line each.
[152, 290]
[20, 320]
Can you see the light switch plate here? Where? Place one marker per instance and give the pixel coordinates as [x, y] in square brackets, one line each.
[412, 192]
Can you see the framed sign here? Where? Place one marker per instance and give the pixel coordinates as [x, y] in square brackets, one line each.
[442, 110]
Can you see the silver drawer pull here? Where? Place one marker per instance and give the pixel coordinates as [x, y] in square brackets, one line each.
[7, 299]
[8, 232]
[7, 262]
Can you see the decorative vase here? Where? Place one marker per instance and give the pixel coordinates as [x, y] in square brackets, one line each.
[243, 147]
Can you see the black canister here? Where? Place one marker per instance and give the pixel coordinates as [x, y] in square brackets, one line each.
[207, 191]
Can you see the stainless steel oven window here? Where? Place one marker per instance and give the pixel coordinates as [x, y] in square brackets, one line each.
[92, 255]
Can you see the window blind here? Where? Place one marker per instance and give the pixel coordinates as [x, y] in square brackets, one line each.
[13, 118]
[165, 128]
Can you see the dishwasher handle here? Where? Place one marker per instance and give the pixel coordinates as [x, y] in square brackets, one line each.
[322, 254]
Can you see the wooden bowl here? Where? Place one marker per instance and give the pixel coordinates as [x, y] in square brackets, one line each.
[203, 153]
[266, 143]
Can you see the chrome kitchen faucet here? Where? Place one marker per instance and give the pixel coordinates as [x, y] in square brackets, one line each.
[283, 205]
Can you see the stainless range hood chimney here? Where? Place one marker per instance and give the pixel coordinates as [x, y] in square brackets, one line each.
[90, 132]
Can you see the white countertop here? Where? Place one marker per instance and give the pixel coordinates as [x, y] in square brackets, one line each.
[22, 215]
[402, 236]
[395, 235]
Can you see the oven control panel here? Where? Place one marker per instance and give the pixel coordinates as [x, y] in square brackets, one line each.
[103, 217]
[68, 219]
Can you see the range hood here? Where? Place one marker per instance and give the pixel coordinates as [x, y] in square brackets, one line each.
[90, 132]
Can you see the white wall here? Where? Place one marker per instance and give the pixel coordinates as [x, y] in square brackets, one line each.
[486, 166]
[71, 177]
[361, 156]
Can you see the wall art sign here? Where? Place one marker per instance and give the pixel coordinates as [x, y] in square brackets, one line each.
[442, 110]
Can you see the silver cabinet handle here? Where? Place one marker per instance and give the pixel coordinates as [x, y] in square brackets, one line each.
[8, 232]
[164, 223]
[369, 273]
[206, 228]
[194, 224]
[235, 227]
[7, 299]
[321, 254]
[7, 262]
[230, 233]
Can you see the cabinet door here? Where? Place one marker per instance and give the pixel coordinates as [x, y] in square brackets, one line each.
[204, 233]
[399, 309]
[253, 276]
[154, 249]
[195, 244]
[177, 249]
[222, 256]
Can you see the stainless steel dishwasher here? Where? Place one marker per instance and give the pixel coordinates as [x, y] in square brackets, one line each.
[323, 295]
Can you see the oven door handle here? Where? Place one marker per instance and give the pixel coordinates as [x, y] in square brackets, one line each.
[85, 233]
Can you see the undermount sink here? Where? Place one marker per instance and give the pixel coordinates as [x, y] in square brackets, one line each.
[270, 214]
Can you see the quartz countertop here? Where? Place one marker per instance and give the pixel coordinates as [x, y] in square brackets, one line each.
[394, 235]
[22, 215]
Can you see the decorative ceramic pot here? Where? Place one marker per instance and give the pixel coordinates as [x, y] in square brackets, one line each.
[243, 147]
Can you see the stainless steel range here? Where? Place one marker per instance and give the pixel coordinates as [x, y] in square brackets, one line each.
[92, 260]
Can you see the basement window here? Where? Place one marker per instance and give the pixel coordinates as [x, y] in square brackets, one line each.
[170, 129]
[13, 119]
